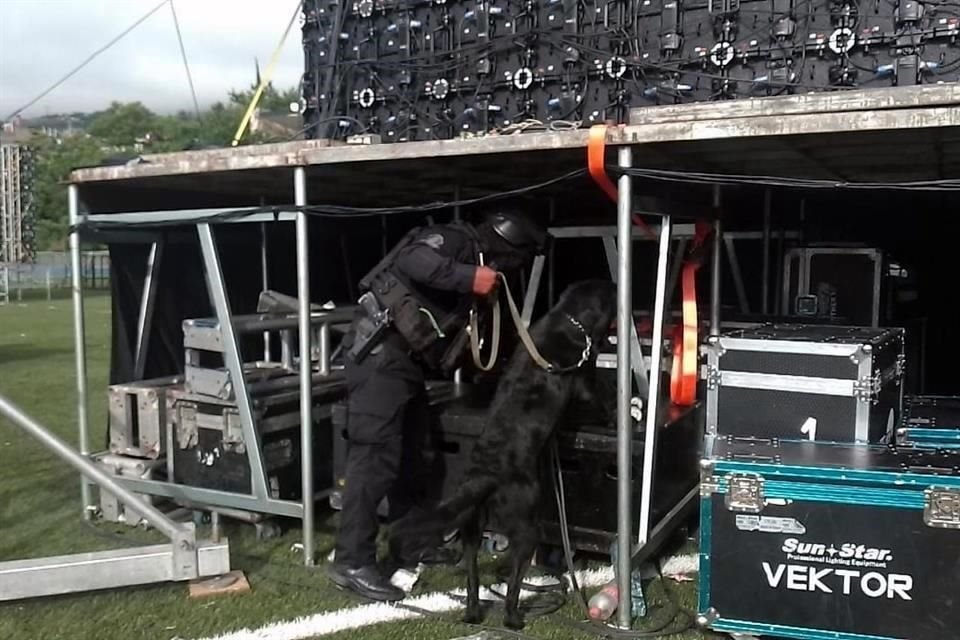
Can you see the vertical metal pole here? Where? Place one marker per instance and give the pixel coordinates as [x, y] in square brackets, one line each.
[458, 372]
[4, 250]
[49, 289]
[147, 299]
[286, 349]
[656, 365]
[781, 278]
[265, 275]
[715, 267]
[215, 531]
[624, 384]
[325, 349]
[79, 344]
[765, 297]
[306, 383]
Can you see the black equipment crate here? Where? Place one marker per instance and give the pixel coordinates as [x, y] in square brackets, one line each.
[770, 381]
[821, 541]
[214, 456]
[930, 421]
[828, 282]
[588, 462]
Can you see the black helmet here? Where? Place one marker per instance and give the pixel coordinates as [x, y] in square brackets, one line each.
[518, 229]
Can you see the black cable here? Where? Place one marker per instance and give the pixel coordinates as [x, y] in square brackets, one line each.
[777, 181]
[186, 64]
[331, 103]
[333, 211]
[351, 119]
[87, 60]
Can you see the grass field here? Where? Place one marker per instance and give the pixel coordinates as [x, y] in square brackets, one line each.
[40, 515]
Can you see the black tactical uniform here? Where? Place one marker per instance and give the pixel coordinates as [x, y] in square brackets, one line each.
[387, 407]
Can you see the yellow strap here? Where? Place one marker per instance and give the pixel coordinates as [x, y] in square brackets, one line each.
[265, 80]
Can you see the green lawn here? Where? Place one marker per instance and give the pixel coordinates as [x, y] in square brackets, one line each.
[40, 515]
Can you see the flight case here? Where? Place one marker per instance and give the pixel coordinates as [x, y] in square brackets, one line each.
[930, 421]
[800, 381]
[814, 541]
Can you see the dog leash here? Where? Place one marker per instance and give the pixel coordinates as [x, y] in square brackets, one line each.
[524, 335]
[494, 337]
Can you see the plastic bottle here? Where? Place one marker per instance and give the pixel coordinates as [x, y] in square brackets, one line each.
[604, 602]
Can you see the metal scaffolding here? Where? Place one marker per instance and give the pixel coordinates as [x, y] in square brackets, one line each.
[15, 227]
[864, 125]
[183, 558]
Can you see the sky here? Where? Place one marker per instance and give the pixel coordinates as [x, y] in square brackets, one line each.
[41, 40]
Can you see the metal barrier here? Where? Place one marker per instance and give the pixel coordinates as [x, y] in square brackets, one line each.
[183, 558]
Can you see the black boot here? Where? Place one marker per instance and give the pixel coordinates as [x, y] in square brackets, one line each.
[365, 581]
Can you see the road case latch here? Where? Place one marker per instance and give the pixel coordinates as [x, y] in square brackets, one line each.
[867, 389]
[744, 493]
[941, 508]
[713, 377]
[709, 485]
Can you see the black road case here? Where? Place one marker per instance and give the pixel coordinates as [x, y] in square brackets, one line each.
[588, 465]
[930, 421]
[830, 281]
[588, 462]
[800, 381]
[815, 541]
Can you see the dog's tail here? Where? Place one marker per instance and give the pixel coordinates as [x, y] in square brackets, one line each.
[452, 513]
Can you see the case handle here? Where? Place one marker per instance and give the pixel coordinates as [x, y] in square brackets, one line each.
[752, 457]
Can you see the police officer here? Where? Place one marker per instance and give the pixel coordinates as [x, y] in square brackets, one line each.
[424, 288]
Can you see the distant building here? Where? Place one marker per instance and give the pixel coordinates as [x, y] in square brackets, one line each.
[284, 126]
[15, 132]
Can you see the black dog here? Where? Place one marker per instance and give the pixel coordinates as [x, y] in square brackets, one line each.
[502, 480]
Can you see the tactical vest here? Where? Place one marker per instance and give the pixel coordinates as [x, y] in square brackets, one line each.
[428, 328]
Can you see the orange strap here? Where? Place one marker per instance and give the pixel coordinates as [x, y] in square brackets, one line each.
[597, 167]
[597, 162]
[686, 342]
[686, 338]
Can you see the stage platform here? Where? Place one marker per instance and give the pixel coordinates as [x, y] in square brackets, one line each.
[898, 134]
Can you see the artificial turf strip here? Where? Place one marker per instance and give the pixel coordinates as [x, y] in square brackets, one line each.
[40, 515]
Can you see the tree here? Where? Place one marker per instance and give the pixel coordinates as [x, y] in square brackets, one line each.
[123, 128]
[53, 162]
[123, 124]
